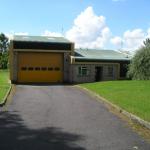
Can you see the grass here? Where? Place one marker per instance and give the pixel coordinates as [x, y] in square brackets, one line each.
[4, 84]
[133, 96]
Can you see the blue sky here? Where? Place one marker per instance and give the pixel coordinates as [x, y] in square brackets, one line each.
[123, 18]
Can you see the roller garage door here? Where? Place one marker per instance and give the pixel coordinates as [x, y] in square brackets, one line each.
[40, 67]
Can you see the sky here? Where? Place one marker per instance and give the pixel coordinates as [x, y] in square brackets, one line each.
[100, 24]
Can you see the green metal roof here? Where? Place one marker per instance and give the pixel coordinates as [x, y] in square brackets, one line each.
[25, 38]
[92, 54]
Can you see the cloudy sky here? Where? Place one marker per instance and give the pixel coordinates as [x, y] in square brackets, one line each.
[101, 24]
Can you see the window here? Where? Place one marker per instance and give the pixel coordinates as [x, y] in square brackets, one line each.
[57, 69]
[110, 71]
[50, 68]
[43, 68]
[30, 68]
[83, 71]
[24, 68]
[37, 68]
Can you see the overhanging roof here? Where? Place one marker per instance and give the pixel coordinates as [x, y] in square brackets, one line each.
[37, 43]
[96, 55]
[24, 38]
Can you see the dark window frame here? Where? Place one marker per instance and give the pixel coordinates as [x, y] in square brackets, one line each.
[43, 68]
[30, 68]
[57, 69]
[37, 69]
[83, 71]
[50, 69]
[24, 68]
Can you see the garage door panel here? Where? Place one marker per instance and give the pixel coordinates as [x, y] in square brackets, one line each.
[41, 77]
[40, 67]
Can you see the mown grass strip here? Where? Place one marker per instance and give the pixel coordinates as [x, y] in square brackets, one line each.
[133, 96]
[4, 84]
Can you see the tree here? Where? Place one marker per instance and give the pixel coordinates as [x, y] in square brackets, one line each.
[147, 43]
[139, 68]
[4, 60]
[4, 43]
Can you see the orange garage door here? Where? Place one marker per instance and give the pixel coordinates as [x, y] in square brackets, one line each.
[40, 67]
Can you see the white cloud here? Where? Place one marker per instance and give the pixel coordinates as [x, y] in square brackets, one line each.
[148, 33]
[131, 39]
[116, 41]
[54, 34]
[89, 30]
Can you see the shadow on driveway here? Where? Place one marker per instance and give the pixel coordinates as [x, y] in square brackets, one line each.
[14, 135]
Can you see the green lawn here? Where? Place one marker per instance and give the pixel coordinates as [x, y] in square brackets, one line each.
[4, 83]
[133, 96]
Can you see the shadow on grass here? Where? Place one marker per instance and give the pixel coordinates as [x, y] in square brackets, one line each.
[14, 135]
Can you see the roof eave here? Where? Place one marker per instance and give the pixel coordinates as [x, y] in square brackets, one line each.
[102, 59]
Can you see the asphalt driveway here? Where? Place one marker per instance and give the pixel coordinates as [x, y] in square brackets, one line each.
[62, 118]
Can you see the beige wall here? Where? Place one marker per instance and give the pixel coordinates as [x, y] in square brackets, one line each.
[66, 67]
[80, 79]
[14, 67]
[91, 77]
[105, 72]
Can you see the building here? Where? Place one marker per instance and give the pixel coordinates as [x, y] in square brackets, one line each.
[89, 65]
[40, 59]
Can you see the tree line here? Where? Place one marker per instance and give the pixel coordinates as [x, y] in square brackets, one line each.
[4, 54]
[138, 69]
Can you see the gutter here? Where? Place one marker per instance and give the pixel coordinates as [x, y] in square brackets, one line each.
[101, 59]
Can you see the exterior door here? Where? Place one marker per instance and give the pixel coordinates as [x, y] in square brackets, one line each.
[98, 73]
[40, 67]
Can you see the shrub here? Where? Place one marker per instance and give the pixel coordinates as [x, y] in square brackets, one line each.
[139, 68]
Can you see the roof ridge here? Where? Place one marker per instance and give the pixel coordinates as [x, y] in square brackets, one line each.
[40, 36]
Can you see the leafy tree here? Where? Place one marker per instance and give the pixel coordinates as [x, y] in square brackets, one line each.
[139, 68]
[4, 60]
[4, 43]
[147, 43]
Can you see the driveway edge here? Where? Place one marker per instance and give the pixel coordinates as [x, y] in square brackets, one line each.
[134, 118]
[6, 96]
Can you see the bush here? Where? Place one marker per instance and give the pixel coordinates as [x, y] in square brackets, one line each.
[139, 68]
